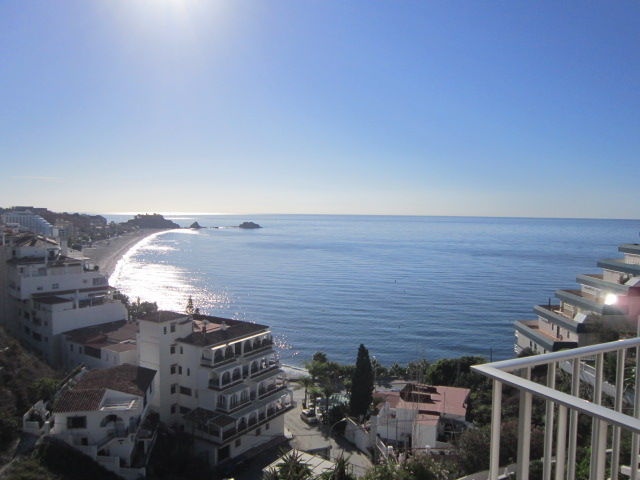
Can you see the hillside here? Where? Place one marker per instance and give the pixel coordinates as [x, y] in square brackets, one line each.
[23, 380]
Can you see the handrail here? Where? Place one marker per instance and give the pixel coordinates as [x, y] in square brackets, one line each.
[543, 359]
[569, 401]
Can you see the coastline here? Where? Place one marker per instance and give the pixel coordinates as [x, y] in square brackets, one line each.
[107, 253]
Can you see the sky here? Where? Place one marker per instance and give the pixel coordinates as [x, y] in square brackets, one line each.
[489, 108]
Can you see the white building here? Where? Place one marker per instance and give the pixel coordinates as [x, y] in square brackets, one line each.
[29, 222]
[104, 414]
[606, 300]
[101, 346]
[50, 293]
[218, 378]
[420, 416]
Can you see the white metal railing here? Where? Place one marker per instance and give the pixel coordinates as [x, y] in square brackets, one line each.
[563, 409]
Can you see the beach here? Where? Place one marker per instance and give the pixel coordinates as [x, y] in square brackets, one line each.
[106, 253]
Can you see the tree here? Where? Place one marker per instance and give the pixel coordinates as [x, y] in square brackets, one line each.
[341, 471]
[362, 384]
[190, 309]
[306, 382]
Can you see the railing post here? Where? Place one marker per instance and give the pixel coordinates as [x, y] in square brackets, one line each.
[561, 442]
[615, 447]
[601, 449]
[595, 423]
[524, 431]
[496, 420]
[636, 413]
[549, 420]
[573, 421]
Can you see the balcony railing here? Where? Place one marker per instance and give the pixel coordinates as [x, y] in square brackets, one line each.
[563, 411]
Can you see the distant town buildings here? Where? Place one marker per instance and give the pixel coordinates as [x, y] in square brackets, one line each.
[104, 414]
[218, 378]
[28, 221]
[604, 303]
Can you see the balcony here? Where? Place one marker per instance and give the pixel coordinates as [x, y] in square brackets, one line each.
[596, 281]
[531, 330]
[633, 248]
[554, 314]
[565, 410]
[588, 302]
[619, 265]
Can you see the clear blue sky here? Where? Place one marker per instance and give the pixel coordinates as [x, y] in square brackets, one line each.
[410, 107]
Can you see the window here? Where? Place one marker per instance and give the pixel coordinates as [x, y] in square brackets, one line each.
[76, 422]
[71, 347]
[238, 442]
[257, 432]
[180, 369]
[165, 330]
[173, 387]
[266, 426]
[36, 336]
[27, 330]
[173, 327]
[55, 286]
[185, 391]
[172, 349]
[181, 351]
[184, 410]
[173, 369]
[188, 372]
[173, 408]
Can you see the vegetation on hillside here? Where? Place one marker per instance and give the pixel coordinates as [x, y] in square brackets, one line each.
[24, 379]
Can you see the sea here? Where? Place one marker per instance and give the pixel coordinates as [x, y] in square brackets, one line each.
[407, 287]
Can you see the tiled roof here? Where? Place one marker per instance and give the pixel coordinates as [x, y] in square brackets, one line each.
[79, 400]
[438, 401]
[221, 330]
[87, 394]
[123, 378]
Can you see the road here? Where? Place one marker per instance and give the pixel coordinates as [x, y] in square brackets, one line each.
[312, 437]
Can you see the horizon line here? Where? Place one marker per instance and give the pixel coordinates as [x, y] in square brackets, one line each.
[174, 214]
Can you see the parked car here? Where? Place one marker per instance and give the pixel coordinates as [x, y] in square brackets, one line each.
[309, 416]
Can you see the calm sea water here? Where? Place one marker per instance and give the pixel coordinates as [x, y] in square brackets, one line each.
[406, 287]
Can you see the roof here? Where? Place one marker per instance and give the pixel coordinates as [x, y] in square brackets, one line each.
[163, 316]
[105, 333]
[33, 240]
[428, 400]
[202, 416]
[87, 393]
[220, 330]
[103, 288]
[79, 400]
[121, 347]
[52, 300]
[123, 378]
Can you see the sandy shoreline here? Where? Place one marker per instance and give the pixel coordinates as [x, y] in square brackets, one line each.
[106, 253]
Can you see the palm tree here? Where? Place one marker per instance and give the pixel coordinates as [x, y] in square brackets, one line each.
[306, 382]
[291, 467]
[341, 471]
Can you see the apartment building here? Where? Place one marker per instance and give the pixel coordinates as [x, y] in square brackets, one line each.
[49, 293]
[609, 300]
[218, 378]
